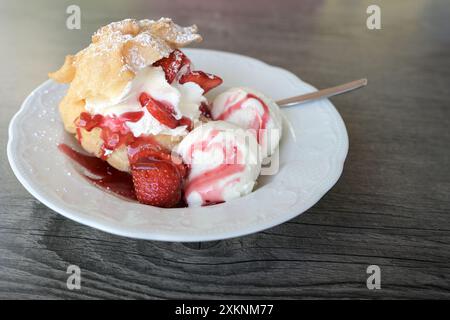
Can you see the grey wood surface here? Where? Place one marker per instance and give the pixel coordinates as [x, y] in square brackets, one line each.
[390, 207]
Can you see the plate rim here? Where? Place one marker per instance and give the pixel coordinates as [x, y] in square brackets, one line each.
[108, 227]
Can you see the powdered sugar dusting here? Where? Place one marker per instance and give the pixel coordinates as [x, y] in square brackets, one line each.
[146, 40]
[176, 34]
[136, 60]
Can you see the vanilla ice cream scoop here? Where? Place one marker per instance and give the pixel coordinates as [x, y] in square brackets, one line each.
[250, 109]
[223, 160]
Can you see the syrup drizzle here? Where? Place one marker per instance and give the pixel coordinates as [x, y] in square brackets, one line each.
[259, 122]
[109, 178]
[207, 183]
[114, 130]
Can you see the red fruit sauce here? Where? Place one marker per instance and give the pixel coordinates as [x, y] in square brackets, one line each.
[259, 122]
[109, 178]
[114, 133]
[113, 180]
[206, 183]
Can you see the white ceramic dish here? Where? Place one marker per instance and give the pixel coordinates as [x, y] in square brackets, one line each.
[312, 154]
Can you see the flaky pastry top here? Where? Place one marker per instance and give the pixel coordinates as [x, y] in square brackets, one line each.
[117, 52]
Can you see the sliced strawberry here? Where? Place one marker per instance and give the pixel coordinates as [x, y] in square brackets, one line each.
[159, 110]
[173, 64]
[185, 121]
[144, 99]
[204, 109]
[133, 116]
[205, 80]
[157, 183]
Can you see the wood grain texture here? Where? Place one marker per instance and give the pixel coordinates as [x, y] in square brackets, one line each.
[391, 206]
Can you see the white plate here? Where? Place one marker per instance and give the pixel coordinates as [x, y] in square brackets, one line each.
[312, 155]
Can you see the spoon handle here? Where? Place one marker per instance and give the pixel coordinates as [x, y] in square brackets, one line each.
[325, 93]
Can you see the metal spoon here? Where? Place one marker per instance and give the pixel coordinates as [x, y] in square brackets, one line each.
[325, 93]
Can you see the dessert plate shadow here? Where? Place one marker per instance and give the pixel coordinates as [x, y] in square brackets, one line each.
[311, 157]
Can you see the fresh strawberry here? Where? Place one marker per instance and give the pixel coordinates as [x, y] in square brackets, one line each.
[185, 121]
[157, 183]
[144, 99]
[173, 64]
[159, 110]
[150, 149]
[137, 151]
[205, 80]
[204, 109]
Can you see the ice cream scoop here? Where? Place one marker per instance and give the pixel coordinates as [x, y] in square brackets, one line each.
[250, 109]
[223, 161]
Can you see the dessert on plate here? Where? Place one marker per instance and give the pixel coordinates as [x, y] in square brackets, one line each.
[136, 102]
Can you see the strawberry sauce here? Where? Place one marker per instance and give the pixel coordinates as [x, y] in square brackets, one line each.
[259, 122]
[115, 131]
[207, 184]
[109, 178]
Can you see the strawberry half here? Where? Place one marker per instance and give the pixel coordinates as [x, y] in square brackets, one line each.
[173, 64]
[150, 149]
[157, 183]
[205, 80]
[159, 110]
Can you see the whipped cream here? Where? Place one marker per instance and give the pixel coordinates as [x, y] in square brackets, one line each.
[224, 162]
[250, 109]
[185, 99]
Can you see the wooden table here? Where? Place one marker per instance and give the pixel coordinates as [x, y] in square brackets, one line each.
[390, 208]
